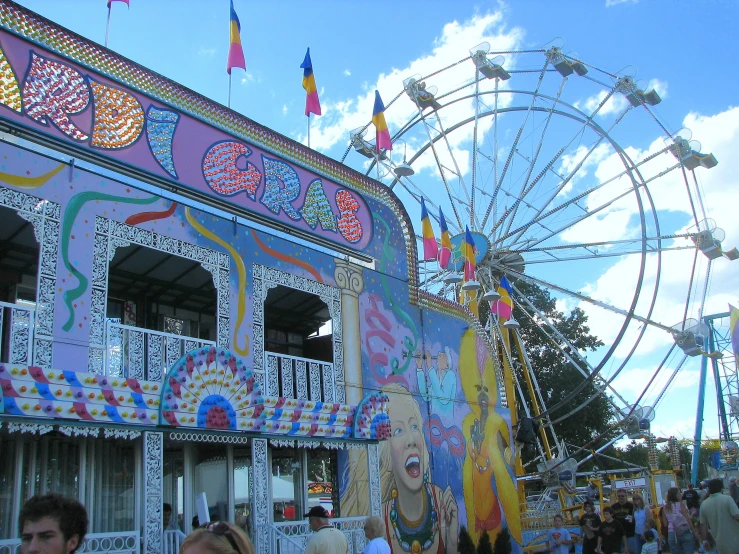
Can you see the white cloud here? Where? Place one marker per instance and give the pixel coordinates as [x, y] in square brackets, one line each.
[347, 73]
[204, 52]
[611, 3]
[342, 116]
[615, 104]
[284, 109]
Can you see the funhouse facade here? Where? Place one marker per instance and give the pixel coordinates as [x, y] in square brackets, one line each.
[194, 306]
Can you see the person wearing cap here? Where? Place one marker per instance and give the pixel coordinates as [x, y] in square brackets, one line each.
[326, 539]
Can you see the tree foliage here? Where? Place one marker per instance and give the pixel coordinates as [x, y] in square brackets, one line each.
[503, 543]
[555, 374]
[465, 544]
[484, 546]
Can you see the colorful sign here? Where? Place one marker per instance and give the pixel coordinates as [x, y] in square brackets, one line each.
[77, 106]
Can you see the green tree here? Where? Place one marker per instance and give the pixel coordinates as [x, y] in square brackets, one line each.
[484, 546]
[465, 544]
[555, 374]
[503, 543]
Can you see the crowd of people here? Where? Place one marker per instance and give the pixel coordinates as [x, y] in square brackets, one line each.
[702, 519]
[53, 524]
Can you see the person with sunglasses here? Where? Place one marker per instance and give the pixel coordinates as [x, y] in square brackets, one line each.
[642, 521]
[219, 537]
[623, 512]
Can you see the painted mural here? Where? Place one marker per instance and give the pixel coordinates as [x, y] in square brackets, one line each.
[415, 375]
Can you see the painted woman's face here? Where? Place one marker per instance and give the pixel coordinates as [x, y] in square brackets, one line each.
[406, 446]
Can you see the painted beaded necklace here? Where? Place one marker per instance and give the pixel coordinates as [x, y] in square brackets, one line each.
[419, 535]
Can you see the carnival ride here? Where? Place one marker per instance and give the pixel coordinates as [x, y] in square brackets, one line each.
[564, 175]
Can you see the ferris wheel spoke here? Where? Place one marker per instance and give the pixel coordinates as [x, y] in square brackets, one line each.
[600, 383]
[506, 166]
[535, 157]
[557, 156]
[598, 255]
[580, 296]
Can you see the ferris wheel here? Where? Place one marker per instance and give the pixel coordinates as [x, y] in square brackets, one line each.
[564, 177]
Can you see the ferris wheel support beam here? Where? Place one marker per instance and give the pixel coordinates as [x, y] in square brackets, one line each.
[601, 243]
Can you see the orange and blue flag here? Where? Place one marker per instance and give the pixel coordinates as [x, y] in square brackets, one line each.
[382, 139]
[446, 242]
[504, 306]
[430, 248]
[235, 51]
[468, 253]
[312, 104]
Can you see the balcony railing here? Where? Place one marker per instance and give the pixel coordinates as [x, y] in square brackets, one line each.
[136, 353]
[301, 378]
[293, 535]
[102, 543]
[16, 333]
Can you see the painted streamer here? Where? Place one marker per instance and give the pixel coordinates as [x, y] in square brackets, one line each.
[410, 342]
[29, 182]
[379, 328]
[242, 280]
[70, 215]
[143, 217]
[285, 258]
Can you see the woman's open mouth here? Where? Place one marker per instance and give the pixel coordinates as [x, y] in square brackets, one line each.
[413, 465]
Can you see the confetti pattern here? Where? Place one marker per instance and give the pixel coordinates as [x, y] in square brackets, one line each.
[161, 125]
[349, 226]
[222, 174]
[281, 186]
[118, 117]
[10, 92]
[317, 209]
[54, 91]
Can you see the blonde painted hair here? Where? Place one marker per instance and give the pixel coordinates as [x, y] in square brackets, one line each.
[215, 538]
[397, 394]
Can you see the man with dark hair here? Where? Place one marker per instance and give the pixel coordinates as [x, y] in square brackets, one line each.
[691, 498]
[623, 512]
[611, 535]
[720, 514]
[52, 524]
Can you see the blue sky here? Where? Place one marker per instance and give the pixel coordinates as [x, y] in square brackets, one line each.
[683, 49]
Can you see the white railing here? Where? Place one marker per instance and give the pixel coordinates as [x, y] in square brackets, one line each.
[136, 353]
[16, 333]
[301, 378]
[298, 533]
[94, 543]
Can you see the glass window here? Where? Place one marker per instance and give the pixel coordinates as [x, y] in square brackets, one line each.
[57, 461]
[288, 490]
[114, 485]
[243, 489]
[323, 483]
[8, 449]
[211, 477]
[173, 486]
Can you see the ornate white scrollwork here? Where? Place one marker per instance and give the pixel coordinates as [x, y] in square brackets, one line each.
[121, 434]
[260, 500]
[282, 443]
[44, 216]
[32, 428]
[207, 437]
[265, 278]
[72, 431]
[373, 459]
[153, 452]
[111, 235]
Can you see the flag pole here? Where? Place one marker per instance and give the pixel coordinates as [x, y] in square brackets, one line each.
[229, 90]
[107, 26]
[308, 129]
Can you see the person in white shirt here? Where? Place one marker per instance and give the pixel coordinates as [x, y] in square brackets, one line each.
[326, 539]
[374, 530]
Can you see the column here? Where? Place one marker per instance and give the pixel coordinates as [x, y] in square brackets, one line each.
[260, 503]
[153, 467]
[350, 281]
